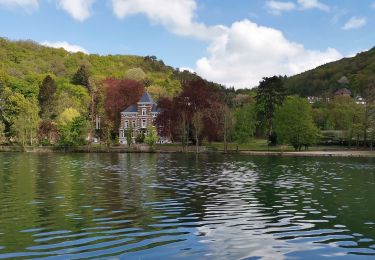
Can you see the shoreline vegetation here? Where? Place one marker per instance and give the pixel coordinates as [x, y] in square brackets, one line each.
[50, 97]
[251, 150]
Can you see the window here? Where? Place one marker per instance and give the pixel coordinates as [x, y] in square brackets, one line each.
[126, 123]
[133, 123]
[143, 111]
[144, 123]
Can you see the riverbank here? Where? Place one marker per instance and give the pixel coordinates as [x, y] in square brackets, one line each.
[179, 149]
[347, 153]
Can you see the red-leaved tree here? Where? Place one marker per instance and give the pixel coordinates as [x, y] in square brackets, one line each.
[119, 94]
[175, 120]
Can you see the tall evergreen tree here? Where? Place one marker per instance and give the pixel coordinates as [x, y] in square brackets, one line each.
[46, 97]
[81, 77]
[270, 95]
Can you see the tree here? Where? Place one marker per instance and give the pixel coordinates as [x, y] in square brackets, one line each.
[74, 132]
[2, 132]
[270, 95]
[67, 116]
[151, 138]
[128, 134]
[197, 122]
[82, 77]
[19, 115]
[46, 97]
[136, 74]
[119, 94]
[294, 123]
[26, 123]
[245, 123]
[48, 132]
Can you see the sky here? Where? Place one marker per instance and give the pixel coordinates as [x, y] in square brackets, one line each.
[232, 42]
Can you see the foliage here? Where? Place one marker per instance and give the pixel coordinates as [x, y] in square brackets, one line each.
[294, 123]
[74, 132]
[119, 94]
[175, 120]
[82, 77]
[324, 80]
[140, 139]
[128, 135]
[26, 123]
[245, 123]
[136, 74]
[270, 95]
[151, 138]
[67, 116]
[46, 97]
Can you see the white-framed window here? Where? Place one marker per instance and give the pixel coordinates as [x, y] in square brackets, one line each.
[144, 111]
[133, 123]
[126, 123]
[144, 123]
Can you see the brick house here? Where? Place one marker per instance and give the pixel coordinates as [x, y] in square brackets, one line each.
[138, 117]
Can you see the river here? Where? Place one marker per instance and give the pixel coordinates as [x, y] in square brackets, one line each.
[161, 206]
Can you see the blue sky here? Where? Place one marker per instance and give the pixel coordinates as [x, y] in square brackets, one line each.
[231, 42]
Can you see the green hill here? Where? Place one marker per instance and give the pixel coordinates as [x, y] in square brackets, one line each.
[24, 64]
[359, 70]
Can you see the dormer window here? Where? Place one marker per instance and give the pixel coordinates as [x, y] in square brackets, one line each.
[143, 111]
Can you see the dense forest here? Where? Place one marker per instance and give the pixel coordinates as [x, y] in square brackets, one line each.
[324, 80]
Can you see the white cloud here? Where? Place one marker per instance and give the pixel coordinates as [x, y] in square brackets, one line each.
[248, 52]
[276, 7]
[65, 45]
[28, 5]
[239, 55]
[373, 5]
[177, 16]
[78, 9]
[312, 4]
[355, 23]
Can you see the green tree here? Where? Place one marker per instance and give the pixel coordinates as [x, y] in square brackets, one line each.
[294, 123]
[128, 135]
[245, 123]
[26, 123]
[46, 97]
[270, 95]
[82, 77]
[67, 116]
[152, 137]
[136, 74]
[2, 132]
[74, 133]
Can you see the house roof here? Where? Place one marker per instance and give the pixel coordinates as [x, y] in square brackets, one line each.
[343, 91]
[155, 109]
[130, 109]
[146, 98]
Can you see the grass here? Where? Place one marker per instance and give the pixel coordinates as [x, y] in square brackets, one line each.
[262, 145]
[254, 145]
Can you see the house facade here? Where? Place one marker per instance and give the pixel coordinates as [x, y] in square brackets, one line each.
[136, 118]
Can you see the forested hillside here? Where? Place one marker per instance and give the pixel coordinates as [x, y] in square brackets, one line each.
[359, 70]
[24, 64]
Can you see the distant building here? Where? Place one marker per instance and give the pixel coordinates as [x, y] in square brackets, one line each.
[344, 92]
[360, 100]
[138, 117]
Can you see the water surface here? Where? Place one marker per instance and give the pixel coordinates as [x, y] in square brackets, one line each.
[149, 206]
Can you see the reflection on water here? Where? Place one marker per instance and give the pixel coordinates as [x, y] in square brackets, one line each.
[147, 206]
